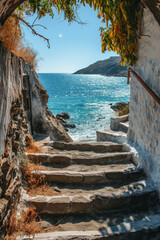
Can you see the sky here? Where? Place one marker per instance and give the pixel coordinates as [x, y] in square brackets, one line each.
[73, 46]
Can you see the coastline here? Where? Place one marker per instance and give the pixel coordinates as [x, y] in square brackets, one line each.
[86, 98]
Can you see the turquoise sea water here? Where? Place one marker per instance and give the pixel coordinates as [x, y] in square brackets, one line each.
[86, 98]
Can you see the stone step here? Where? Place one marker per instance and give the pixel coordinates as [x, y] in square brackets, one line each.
[124, 126]
[112, 136]
[85, 203]
[115, 174]
[78, 158]
[88, 146]
[146, 228]
[59, 189]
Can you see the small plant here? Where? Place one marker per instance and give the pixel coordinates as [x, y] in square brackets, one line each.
[123, 110]
[30, 179]
[27, 224]
[30, 215]
[33, 148]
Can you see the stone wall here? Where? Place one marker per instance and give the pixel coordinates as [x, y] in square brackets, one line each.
[13, 132]
[23, 110]
[144, 120]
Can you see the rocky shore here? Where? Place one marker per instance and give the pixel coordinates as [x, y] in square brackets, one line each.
[61, 117]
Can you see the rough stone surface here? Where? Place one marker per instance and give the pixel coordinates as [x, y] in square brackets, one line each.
[92, 197]
[43, 121]
[89, 146]
[96, 202]
[144, 119]
[118, 106]
[114, 121]
[9, 163]
[146, 228]
[86, 158]
[22, 103]
[64, 115]
[113, 136]
[92, 177]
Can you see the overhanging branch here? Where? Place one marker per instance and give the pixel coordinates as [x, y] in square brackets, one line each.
[33, 30]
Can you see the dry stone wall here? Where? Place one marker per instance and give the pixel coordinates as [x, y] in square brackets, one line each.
[13, 131]
[144, 120]
[10, 177]
[23, 110]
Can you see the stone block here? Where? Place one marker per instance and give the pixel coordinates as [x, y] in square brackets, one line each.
[94, 178]
[81, 204]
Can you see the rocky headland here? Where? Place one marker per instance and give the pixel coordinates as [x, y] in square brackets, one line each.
[109, 67]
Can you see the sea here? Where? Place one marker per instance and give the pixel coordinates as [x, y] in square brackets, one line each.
[87, 98]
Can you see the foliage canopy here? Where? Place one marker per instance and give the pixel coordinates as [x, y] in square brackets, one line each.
[120, 16]
[12, 39]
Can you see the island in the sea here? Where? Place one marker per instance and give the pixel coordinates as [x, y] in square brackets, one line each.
[109, 67]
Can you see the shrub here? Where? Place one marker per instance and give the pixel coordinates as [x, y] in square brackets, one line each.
[27, 224]
[33, 148]
[123, 110]
[12, 39]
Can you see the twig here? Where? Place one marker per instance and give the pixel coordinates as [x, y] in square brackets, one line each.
[34, 21]
[33, 31]
[39, 25]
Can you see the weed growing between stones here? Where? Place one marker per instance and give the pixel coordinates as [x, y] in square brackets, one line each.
[31, 180]
[27, 224]
[33, 148]
[123, 110]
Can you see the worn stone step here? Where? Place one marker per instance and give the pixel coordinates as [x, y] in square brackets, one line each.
[124, 126]
[88, 146]
[112, 136]
[57, 189]
[86, 168]
[110, 175]
[117, 199]
[78, 158]
[146, 228]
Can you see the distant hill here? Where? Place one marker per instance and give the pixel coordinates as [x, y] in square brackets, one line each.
[109, 67]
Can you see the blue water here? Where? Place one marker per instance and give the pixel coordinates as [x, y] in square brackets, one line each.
[86, 98]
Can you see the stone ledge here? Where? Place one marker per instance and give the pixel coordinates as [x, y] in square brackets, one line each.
[87, 159]
[96, 202]
[128, 230]
[93, 177]
[113, 136]
[90, 146]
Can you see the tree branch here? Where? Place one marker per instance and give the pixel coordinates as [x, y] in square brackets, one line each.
[7, 7]
[33, 30]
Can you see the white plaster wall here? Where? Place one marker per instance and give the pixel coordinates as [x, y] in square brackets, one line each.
[144, 119]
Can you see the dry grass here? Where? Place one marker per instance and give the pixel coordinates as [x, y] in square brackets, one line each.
[123, 110]
[12, 39]
[33, 148]
[35, 184]
[44, 190]
[27, 224]
[31, 179]
[28, 54]
[10, 34]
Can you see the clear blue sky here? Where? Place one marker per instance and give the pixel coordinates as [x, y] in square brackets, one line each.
[73, 46]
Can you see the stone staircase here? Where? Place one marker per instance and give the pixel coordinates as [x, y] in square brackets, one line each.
[117, 131]
[101, 194]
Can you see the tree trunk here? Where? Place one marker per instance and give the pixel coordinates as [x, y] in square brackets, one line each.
[7, 7]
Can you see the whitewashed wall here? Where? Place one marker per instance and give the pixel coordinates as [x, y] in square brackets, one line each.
[144, 131]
